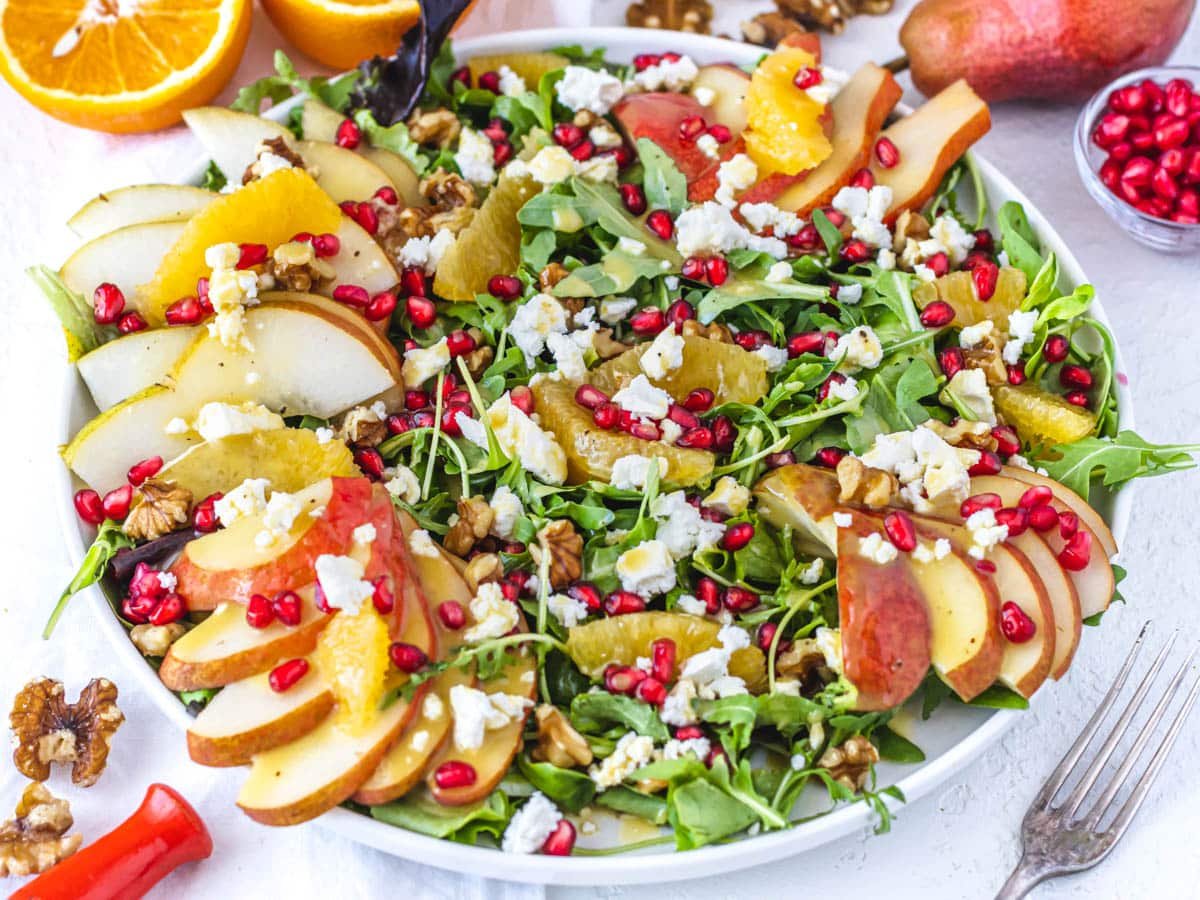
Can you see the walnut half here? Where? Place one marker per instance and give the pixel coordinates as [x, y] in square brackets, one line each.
[36, 837]
[48, 730]
[558, 741]
[474, 521]
[160, 507]
[565, 546]
[860, 483]
[850, 764]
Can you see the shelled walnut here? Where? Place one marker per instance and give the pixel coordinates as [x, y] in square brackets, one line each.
[558, 741]
[48, 730]
[564, 545]
[676, 15]
[850, 764]
[36, 837]
[859, 483]
[483, 568]
[159, 508]
[434, 127]
[964, 433]
[474, 522]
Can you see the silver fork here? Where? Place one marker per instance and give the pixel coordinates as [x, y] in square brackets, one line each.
[1059, 839]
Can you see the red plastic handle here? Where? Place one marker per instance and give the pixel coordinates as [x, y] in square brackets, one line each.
[163, 833]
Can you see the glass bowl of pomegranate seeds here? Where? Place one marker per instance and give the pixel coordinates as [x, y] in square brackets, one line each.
[1137, 146]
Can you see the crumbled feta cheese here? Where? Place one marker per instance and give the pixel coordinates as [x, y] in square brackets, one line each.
[1019, 461]
[633, 751]
[531, 824]
[217, 420]
[925, 465]
[812, 574]
[426, 253]
[222, 256]
[925, 273]
[476, 712]
[568, 352]
[704, 95]
[475, 157]
[829, 642]
[886, 259]
[506, 509]
[494, 616]
[780, 271]
[850, 294]
[832, 82]
[709, 669]
[584, 88]
[230, 291]
[761, 216]
[341, 580]
[420, 740]
[403, 485]
[952, 237]
[278, 518]
[846, 390]
[534, 321]
[926, 553]
[423, 363]
[677, 708]
[671, 432]
[629, 473]
[676, 749]
[632, 247]
[875, 548]
[691, 605]
[647, 569]
[614, 309]
[729, 497]
[668, 75]
[603, 136]
[866, 207]
[707, 144]
[843, 520]
[970, 388]
[642, 398]
[1020, 333]
[511, 83]
[974, 335]
[364, 534]
[857, 349]
[568, 610]
[985, 532]
[733, 176]
[247, 499]
[600, 168]
[681, 528]
[710, 228]
[432, 707]
[324, 435]
[177, 425]
[421, 544]
[664, 355]
[520, 438]
[775, 357]
[552, 165]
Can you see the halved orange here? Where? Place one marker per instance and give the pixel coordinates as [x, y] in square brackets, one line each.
[121, 65]
[342, 33]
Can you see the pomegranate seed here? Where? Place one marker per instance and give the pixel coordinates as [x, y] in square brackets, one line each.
[805, 239]
[699, 400]
[414, 400]
[107, 303]
[387, 194]
[699, 438]
[739, 599]
[633, 198]
[682, 417]
[644, 61]
[1075, 377]
[348, 135]
[590, 397]
[989, 464]
[204, 516]
[398, 424]
[287, 607]
[1120, 152]
[937, 314]
[717, 270]
[679, 312]
[1163, 184]
[900, 530]
[490, 81]
[974, 504]
[606, 416]
[649, 320]
[764, 637]
[502, 152]
[939, 264]
[351, 295]
[370, 461]
[285, 675]
[691, 128]
[660, 223]
[1043, 518]
[1055, 348]
[1189, 201]
[737, 537]
[382, 597]
[459, 343]
[1015, 624]
[1178, 97]
[1013, 518]
[131, 322]
[1111, 128]
[521, 397]
[366, 217]
[622, 155]
[1038, 495]
[984, 276]
[1068, 524]
[1016, 374]
[1173, 161]
[561, 840]
[454, 773]
[259, 613]
[724, 433]
[855, 251]
[89, 506]
[412, 282]
[146, 582]
[421, 311]
[170, 609]
[461, 75]
[505, 287]
[423, 419]
[326, 245]
[693, 268]
[511, 592]
[863, 178]
[1142, 142]
[619, 603]
[622, 679]
[645, 431]
[777, 460]
[1076, 555]
[147, 468]
[407, 657]
[1138, 171]
[651, 690]
[1077, 398]
[720, 134]
[887, 153]
[806, 77]
[252, 255]
[451, 614]
[1171, 134]
[185, 311]
[1007, 442]
[829, 457]
[951, 360]
[567, 134]
[751, 340]
[381, 306]
[450, 424]
[709, 592]
[138, 609]
[805, 342]
[588, 594]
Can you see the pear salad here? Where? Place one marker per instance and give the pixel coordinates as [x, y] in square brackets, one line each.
[564, 437]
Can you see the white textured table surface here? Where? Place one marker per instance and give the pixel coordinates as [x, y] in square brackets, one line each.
[958, 842]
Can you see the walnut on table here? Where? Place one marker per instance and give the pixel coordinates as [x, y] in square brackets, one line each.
[48, 730]
[36, 837]
[564, 545]
[677, 15]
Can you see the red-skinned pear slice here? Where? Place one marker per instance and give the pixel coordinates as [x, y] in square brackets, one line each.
[248, 717]
[1073, 501]
[1094, 584]
[1025, 666]
[859, 111]
[930, 141]
[657, 116]
[1064, 599]
[804, 498]
[728, 84]
[885, 622]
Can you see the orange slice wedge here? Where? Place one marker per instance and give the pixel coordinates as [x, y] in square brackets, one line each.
[121, 65]
[342, 34]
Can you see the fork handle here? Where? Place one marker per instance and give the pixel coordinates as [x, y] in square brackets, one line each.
[1024, 878]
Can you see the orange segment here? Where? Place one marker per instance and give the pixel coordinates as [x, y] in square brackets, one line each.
[342, 34]
[784, 128]
[733, 374]
[267, 211]
[958, 289]
[352, 654]
[121, 66]
[1042, 417]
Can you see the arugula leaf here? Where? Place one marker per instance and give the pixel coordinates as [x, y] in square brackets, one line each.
[333, 92]
[109, 539]
[568, 788]
[523, 113]
[999, 697]
[419, 812]
[609, 214]
[934, 692]
[830, 236]
[1068, 307]
[591, 59]
[701, 813]
[615, 274]
[564, 213]
[394, 137]
[1044, 286]
[897, 748]
[214, 179]
[564, 681]
[623, 799]
[664, 184]
[74, 313]
[739, 713]
[749, 286]
[198, 699]
[625, 711]
[1020, 243]
[1119, 459]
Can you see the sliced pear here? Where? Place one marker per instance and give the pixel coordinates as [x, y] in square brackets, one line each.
[306, 362]
[135, 205]
[127, 257]
[319, 122]
[224, 648]
[231, 138]
[1064, 599]
[248, 717]
[133, 362]
[361, 260]
[1077, 505]
[406, 181]
[804, 499]
[341, 173]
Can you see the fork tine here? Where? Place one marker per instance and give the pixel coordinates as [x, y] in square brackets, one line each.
[1088, 779]
[1059, 776]
[1119, 779]
[1142, 788]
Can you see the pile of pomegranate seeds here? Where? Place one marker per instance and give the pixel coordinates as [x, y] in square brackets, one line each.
[151, 599]
[1151, 133]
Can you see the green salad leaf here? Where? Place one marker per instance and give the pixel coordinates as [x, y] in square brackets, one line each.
[1117, 460]
[74, 313]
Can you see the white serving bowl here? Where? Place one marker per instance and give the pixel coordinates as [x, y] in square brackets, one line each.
[951, 739]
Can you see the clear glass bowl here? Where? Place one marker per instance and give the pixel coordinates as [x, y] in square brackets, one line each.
[1158, 234]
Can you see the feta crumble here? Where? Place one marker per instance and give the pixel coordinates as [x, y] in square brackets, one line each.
[775, 357]
[1020, 334]
[865, 208]
[647, 569]
[985, 532]
[534, 321]
[877, 549]
[476, 712]
[630, 472]
[531, 825]
[633, 751]
[812, 573]
[493, 615]
[506, 510]
[614, 309]
[217, 420]
[421, 544]
[858, 348]
[247, 499]
[710, 229]
[425, 253]
[664, 355]
[278, 518]
[475, 157]
[669, 75]
[681, 528]
[970, 388]
[423, 363]
[584, 88]
[642, 398]
[973, 335]
[761, 216]
[403, 485]
[511, 84]
[341, 580]
[520, 438]
[729, 497]
[734, 175]
[568, 610]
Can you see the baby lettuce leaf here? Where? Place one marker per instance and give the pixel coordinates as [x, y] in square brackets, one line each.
[1020, 243]
[896, 747]
[601, 708]
[665, 185]
[109, 539]
[394, 137]
[74, 313]
[1118, 460]
[568, 788]
[421, 813]
[622, 799]
[334, 92]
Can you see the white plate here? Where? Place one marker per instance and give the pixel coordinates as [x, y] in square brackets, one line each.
[954, 737]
